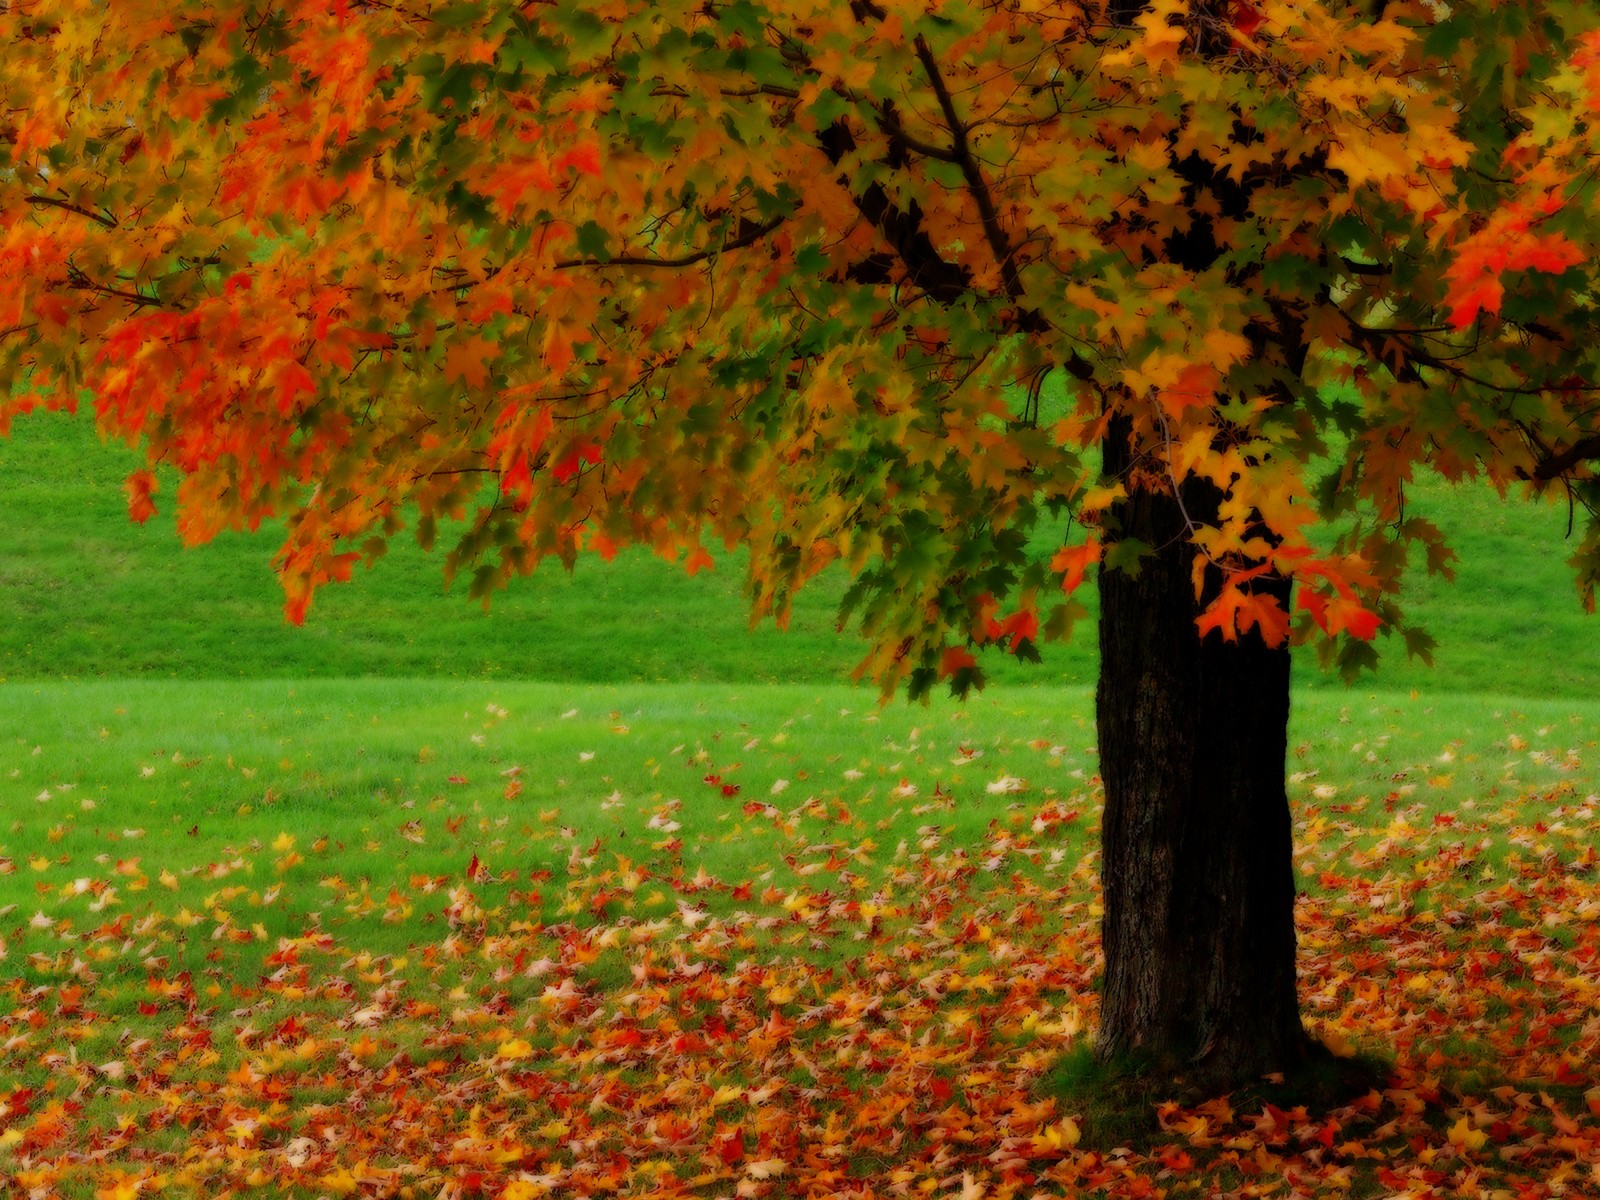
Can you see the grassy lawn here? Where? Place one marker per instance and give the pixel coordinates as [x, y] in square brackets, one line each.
[91, 595]
[361, 909]
[336, 937]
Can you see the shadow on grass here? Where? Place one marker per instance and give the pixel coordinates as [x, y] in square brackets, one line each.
[1119, 1104]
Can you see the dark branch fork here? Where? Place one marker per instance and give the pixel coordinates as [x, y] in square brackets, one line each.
[1556, 465]
[961, 155]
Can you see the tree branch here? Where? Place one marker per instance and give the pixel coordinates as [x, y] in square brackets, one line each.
[77, 280]
[1559, 464]
[750, 234]
[890, 123]
[961, 150]
[53, 202]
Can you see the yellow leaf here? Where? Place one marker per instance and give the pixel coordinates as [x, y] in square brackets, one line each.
[515, 1048]
[283, 843]
[340, 1182]
[1464, 1136]
[1064, 1134]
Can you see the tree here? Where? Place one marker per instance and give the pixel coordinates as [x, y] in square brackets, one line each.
[974, 299]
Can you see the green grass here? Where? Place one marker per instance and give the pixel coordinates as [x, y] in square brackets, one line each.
[402, 778]
[90, 595]
[239, 900]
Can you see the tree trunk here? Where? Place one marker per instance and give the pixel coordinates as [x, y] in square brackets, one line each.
[1196, 842]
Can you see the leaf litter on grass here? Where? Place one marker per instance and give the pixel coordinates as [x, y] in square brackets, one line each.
[862, 984]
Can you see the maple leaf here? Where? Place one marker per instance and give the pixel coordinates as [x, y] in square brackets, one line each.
[699, 559]
[584, 159]
[728, 1146]
[1464, 1136]
[140, 486]
[1195, 386]
[954, 659]
[1245, 17]
[1071, 562]
[1236, 611]
[466, 360]
[572, 462]
[293, 381]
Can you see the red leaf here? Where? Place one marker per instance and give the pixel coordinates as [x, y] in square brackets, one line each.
[956, 658]
[584, 159]
[1346, 613]
[516, 483]
[729, 1147]
[1551, 253]
[293, 379]
[1019, 626]
[581, 452]
[140, 486]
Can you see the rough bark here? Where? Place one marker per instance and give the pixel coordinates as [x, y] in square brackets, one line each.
[1196, 841]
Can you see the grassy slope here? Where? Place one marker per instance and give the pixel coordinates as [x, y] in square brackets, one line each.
[91, 595]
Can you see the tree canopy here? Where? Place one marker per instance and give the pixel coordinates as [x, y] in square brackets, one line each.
[862, 282]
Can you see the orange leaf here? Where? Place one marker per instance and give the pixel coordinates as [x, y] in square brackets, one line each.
[1196, 385]
[140, 486]
[467, 361]
[584, 159]
[1235, 612]
[1072, 561]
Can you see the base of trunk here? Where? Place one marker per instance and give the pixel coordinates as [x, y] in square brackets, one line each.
[1118, 1103]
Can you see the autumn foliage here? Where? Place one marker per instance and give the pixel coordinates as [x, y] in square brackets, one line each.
[860, 282]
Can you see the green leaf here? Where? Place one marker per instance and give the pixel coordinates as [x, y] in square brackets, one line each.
[1125, 555]
[828, 107]
[594, 242]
